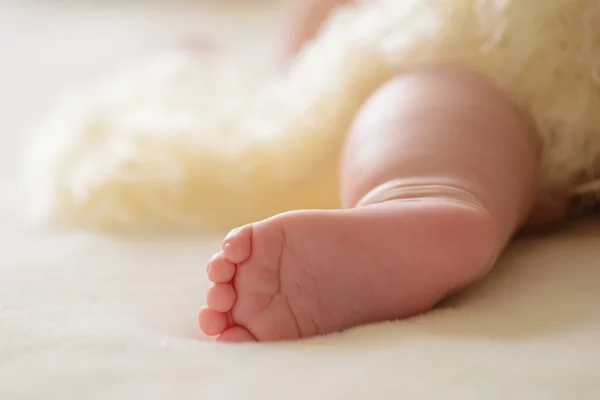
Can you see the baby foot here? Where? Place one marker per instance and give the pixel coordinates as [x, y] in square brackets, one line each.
[306, 273]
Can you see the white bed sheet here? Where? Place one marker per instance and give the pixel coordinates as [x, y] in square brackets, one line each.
[90, 317]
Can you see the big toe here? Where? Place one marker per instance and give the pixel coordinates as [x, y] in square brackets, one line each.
[238, 244]
[237, 334]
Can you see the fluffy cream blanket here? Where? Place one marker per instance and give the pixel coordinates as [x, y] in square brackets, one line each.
[190, 140]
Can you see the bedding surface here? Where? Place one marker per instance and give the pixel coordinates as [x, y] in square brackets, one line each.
[96, 317]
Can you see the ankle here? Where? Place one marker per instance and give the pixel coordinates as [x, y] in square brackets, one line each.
[469, 221]
[458, 238]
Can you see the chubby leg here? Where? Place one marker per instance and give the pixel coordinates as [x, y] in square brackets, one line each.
[443, 130]
[438, 173]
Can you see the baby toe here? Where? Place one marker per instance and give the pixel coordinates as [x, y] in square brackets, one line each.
[221, 297]
[220, 269]
[212, 322]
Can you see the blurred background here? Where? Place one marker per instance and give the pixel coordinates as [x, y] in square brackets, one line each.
[47, 47]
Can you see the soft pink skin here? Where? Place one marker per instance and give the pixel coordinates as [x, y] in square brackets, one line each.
[465, 165]
[464, 170]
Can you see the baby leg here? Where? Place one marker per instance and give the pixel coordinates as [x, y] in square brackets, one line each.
[438, 173]
[447, 130]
